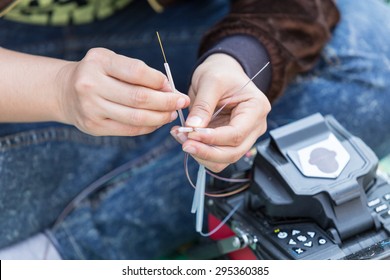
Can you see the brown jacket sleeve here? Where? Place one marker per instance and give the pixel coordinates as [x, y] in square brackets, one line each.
[5, 5]
[292, 31]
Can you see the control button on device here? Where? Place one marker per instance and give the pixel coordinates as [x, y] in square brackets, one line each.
[308, 244]
[311, 233]
[321, 241]
[302, 238]
[387, 196]
[282, 235]
[295, 232]
[373, 202]
[381, 208]
[386, 215]
[292, 242]
[298, 250]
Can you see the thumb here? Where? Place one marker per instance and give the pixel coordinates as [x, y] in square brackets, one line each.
[203, 107]
[199, 115]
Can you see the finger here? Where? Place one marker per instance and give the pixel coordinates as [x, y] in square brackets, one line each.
[212, 166]
[203, 106]
[178, 136]
[137, 117]
[241, 126]
[230, 135]
[141, 97]
[221, 136]
[128, 69]
[217, 154]
[109, 127]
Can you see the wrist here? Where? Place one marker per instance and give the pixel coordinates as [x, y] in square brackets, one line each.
[225, 61]
[62, 81]
[249, 52]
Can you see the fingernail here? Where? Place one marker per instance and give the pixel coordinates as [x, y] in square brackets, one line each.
[167, 85]
[194, 121]
[180, 103]
[189, 149]
[185, 129]
[174, 116]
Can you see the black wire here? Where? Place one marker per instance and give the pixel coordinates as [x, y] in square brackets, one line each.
[96, 185]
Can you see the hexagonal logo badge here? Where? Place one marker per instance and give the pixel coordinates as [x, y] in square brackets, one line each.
[324, 159]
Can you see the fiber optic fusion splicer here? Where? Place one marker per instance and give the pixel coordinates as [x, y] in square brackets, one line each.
[315, 193]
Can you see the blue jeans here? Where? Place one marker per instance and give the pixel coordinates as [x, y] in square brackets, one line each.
[144, 212]
[351, 80]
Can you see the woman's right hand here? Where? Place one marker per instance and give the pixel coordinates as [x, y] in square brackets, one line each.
[110, 94]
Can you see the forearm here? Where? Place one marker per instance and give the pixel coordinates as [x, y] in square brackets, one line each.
[29, 87]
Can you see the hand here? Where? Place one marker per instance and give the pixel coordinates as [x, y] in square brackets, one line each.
[110, 94]
[236, 128]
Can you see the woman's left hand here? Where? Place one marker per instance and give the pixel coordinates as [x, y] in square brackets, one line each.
[231, 133]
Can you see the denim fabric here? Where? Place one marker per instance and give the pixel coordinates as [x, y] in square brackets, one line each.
[145, 212]
[351, 80]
